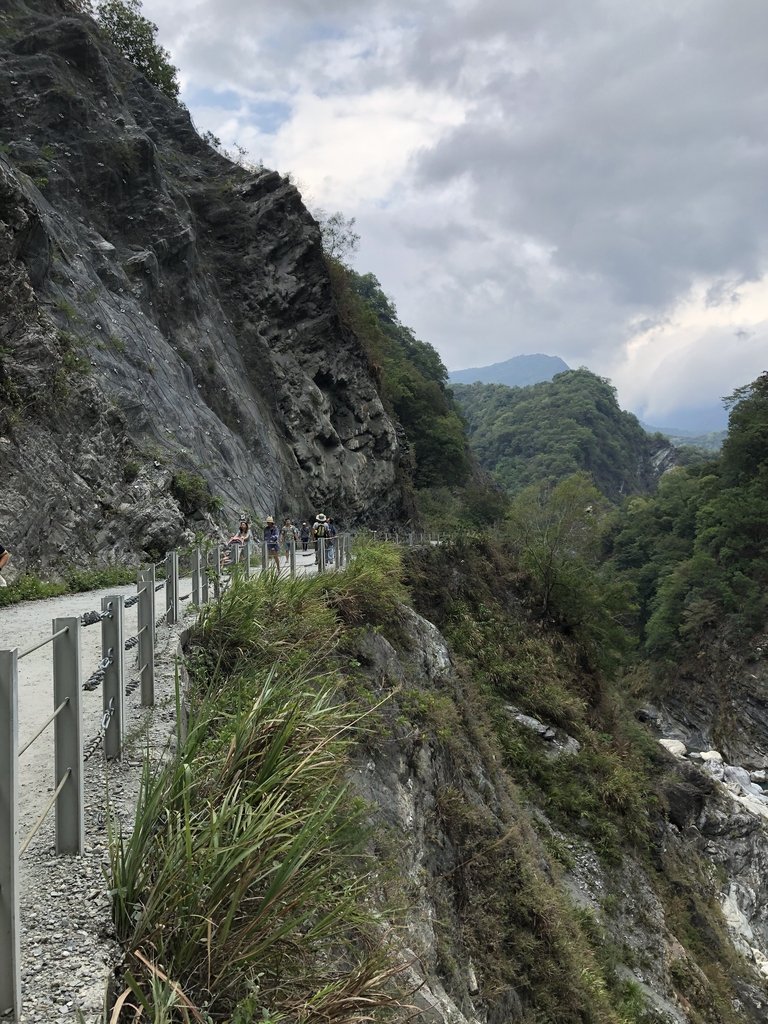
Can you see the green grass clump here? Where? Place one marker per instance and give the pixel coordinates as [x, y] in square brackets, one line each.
[29, 587]
[245, 884]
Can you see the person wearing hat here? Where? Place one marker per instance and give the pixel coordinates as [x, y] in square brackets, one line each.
[272, 540]
[319, 531]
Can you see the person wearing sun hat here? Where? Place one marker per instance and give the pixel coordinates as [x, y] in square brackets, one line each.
[272, 540]
[319, 531]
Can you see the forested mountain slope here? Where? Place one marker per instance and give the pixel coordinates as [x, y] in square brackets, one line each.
[696, 553]
[555, 428]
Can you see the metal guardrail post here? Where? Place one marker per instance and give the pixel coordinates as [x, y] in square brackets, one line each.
[204, 577]
[217, 572]
[146, 633]
[152, 578]
[321, 554]
[292, 557]
[247, 559]
[172, 587]
[336, 556]
[264, 556]
[196, 573]
[68, 737]
[113, 688]
[10, 972]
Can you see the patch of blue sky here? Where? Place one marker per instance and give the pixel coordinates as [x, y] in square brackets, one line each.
[268, 115]
[224, 99]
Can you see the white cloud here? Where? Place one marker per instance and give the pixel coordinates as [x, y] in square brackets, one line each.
[526, 176]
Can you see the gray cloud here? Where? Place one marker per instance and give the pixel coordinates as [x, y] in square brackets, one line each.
[611, 156]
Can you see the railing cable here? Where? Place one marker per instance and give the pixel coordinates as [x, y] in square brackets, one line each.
[44, 815]
[42, 728]
[48, 640]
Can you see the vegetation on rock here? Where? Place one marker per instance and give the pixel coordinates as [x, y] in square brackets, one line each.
[136, 38]
[246, 875]
[549, 431]
[697, 550]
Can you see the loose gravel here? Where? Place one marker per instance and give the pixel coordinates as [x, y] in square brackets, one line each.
[68, 944]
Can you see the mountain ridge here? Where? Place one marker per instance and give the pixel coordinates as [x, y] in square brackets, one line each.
[519, 371]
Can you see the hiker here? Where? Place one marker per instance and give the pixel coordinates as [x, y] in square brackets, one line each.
[4, 557]
[319, 532]
[272, 540]
[288, 533]
[305, 533]
[329, 547]
[243, 534]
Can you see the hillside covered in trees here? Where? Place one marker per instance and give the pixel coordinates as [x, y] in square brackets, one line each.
[550, 430]
[697, 550]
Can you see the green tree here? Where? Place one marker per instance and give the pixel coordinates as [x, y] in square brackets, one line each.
[559, 532]
[136, 38]
[340, 240]
[412, 379]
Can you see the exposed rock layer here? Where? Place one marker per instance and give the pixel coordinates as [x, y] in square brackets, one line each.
[160, 309]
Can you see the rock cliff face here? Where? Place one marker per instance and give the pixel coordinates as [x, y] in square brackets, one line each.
[161, 309]
[492, 915]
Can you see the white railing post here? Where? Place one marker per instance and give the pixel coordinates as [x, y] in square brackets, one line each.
[247, 556]
[68, 737]
[217, 572]
[292, 557]
[196, 574]
[321, 554]
[113, 687]
[10, 972]
[146, 634]
[204, 576]
[172, 587]
[264, 556]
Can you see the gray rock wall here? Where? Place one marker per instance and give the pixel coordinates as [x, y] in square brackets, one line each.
[174, 309]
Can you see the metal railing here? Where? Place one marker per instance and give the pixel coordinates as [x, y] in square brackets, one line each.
[212, 568]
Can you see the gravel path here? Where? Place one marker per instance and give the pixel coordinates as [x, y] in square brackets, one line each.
[67, 943]
[68, 947]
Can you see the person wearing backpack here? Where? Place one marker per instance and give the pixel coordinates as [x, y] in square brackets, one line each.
[319, 532]
[272, 540]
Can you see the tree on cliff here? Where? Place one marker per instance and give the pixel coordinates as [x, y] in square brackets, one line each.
[340, 240]
[136, 38]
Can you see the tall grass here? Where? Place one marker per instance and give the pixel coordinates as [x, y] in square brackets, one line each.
[245, 886]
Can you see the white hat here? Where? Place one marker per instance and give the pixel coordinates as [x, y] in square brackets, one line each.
[270, 519]
[320, 517]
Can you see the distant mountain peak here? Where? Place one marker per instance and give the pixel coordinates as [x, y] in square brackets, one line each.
[519, 371]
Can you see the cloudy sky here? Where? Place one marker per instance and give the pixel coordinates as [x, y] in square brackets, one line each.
[584, 178]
